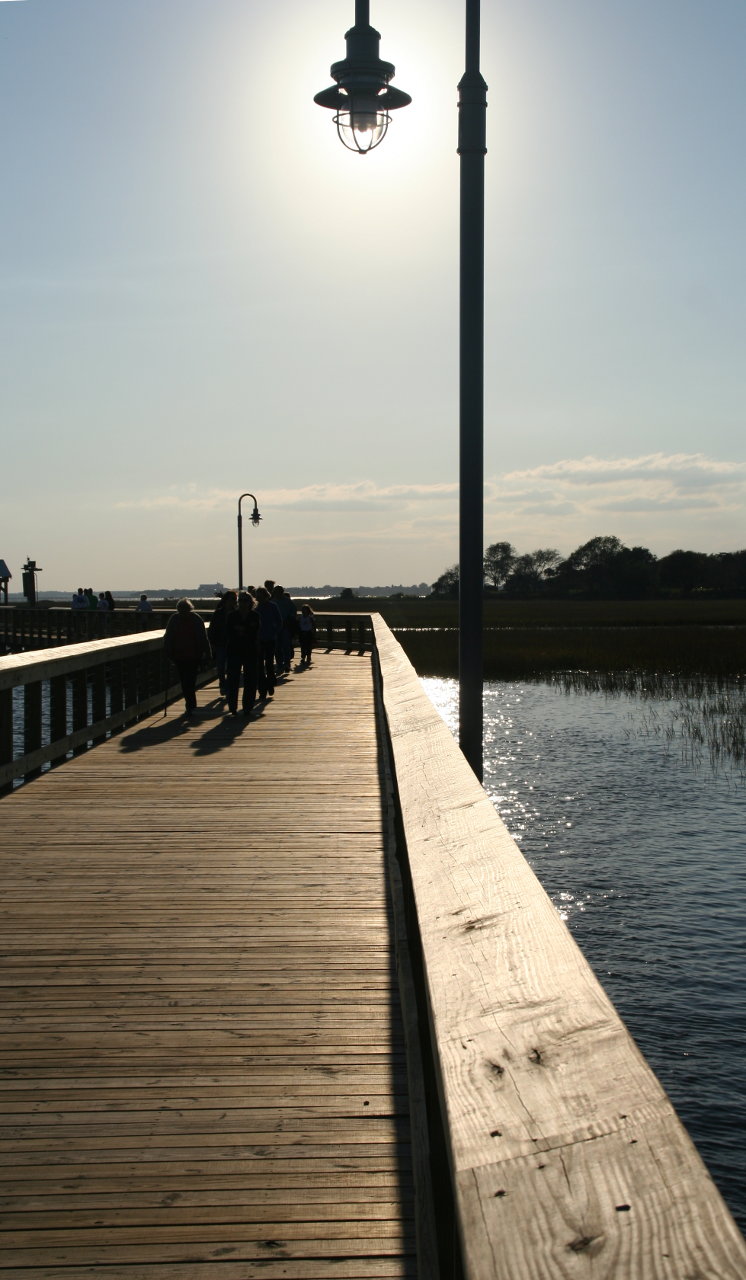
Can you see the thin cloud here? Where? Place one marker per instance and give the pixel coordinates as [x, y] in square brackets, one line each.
[655, 499]
[646, 466]
[359, 496]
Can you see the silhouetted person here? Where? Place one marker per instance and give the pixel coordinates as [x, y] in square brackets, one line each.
[288, 614]
[270, 626]
[216, 632]
[242, 653]
[306, 632]
[186, 644]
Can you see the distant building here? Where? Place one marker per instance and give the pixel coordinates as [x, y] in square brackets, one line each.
[210, 589]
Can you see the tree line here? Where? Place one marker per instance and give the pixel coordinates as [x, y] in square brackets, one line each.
[603, 568]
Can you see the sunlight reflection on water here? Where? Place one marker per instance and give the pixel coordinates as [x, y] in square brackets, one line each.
[644, 856]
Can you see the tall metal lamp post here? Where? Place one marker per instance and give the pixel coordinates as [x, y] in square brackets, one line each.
[363, 98]
[255, 518]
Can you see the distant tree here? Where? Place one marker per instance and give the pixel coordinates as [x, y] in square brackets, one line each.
[546, 560]
[632, 573]
[347, 594]
[499, 559]
[529, 573]
[727, 572]
[586, 569]
[684, 571]
[447, 583]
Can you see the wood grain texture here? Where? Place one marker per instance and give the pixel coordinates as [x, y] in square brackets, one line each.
[567, 1158]
[202, 1067]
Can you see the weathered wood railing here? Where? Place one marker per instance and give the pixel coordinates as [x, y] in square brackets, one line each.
[350, 631]
[42, 627]
[74, 695]
[565, 1156]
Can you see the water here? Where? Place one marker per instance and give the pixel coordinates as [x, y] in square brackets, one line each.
[643, 851]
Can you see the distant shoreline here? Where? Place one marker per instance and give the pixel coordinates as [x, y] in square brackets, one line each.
[327, 592]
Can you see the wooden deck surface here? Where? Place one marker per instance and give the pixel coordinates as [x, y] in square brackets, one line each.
[202, 1069]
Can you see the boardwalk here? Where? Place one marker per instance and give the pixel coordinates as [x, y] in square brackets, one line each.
[201, 1064]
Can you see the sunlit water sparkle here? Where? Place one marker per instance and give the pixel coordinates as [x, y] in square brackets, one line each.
[643, 854]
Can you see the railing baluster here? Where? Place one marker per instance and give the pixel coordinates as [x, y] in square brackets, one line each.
[98, 701]
[116, 687]
[57, 708]
[130, 681]
[80, 705]
[6, 730]
[32, 720]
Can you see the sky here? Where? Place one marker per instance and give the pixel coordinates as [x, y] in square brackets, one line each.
[203, 293]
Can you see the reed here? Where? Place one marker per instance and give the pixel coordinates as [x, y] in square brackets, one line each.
[523, 653]
[413, 611]
[704, 715]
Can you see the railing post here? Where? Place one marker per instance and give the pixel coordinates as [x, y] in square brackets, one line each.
[116, 690]
[98, 696]
[130, 681]
[32, 721]
[6, 728]
[80, 705]
[57, 708]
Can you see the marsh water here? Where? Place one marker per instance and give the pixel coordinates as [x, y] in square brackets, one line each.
[641, 845]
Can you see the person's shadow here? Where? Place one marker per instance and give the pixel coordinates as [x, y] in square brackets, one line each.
[172, 726]
[221, 735]
[152, 735]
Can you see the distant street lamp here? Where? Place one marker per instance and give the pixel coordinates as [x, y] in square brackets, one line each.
[363, 97]
[255, 518]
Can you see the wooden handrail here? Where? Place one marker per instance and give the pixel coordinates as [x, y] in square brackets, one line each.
[26, 628]
[133, 670]
[25, 668]
[566, 1157]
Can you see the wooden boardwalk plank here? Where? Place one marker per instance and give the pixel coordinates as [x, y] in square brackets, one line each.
[202, 1066]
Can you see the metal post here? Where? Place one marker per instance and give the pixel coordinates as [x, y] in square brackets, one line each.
[471, 149]
[255, 520]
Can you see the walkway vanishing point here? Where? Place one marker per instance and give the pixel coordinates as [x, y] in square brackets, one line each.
[261, 980]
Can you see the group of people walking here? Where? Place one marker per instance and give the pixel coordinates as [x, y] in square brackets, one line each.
[251, 635]
[86, 598]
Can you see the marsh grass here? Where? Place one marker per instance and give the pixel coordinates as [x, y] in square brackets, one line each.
[704, 716]
[688, 654]
[527, 652]
[697, 671]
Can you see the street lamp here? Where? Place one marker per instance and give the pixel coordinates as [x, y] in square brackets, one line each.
[362, 97]
[255, 518]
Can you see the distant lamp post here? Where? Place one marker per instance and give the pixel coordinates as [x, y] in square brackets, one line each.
[363, 98]
[255, 518]
[28, 578]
